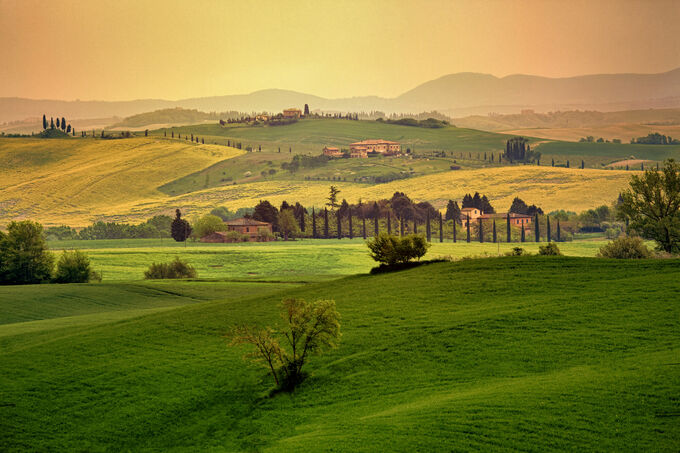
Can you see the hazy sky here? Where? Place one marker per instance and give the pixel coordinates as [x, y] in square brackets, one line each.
[128, 49]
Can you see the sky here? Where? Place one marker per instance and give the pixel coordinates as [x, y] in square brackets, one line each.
[134, 49]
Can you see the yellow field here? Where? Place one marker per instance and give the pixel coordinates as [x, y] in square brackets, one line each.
[76, 182]
[624, 132]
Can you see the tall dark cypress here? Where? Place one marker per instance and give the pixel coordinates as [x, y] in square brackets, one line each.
[313, 224]
[441, 228]
[44, 122]
[537, 229]
[509, 238]
[547, 232]
[481, 230]
[389, 223]
[454, 231]
[558, 230]
[495, 238]
[376, 231]
[325, 223]
[468, 228]
[428, 231]
[349, 214]
[338, 217]
[523, 238]
[363, 221]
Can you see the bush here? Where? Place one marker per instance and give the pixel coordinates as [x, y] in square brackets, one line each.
[208, 224]
[550, 249]
[235, 236]
[390, 250]
[625, 247]
[516, 251]
[74, 267]
[174, 269]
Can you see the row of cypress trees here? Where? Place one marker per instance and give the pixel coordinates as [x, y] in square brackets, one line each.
[321, 227]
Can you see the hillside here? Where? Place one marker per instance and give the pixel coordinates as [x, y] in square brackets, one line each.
[492, 354]
[164, 118]
[454, 94]
[71, 180]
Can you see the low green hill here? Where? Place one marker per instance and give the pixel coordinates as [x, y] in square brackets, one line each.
[528, 353]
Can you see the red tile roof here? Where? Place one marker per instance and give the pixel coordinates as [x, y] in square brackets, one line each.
[245, 222]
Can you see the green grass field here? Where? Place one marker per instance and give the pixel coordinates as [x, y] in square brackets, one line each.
[294, 261]
[498, 354]
[599, 154]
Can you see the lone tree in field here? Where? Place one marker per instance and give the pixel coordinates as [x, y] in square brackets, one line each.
[652, 205]
[309, 329]
[180, 228]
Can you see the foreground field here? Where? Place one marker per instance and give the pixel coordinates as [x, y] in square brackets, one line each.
[295, 261]
[532, 354]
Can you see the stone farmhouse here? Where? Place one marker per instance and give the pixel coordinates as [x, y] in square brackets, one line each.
[250, 228]
[515, 219]
[292, 113]
[332, 152]
[385, 147]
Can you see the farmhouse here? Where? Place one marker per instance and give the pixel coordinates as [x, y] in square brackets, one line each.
[515, 219]
[332, 152]
[292, 113]
[377, 146]
[358, 152]
[251, 229]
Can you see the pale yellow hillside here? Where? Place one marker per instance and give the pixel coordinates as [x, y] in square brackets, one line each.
[74, 181]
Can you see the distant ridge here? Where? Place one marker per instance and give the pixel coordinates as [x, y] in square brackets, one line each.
[454, 94]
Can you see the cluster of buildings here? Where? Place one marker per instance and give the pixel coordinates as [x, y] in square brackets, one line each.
[475, 214]
[363, 148]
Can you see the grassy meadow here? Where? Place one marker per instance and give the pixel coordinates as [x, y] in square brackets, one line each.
[497, 354]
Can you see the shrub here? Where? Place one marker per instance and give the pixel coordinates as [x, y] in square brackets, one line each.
[390, 249]
[174, 269]
[264, 235]
[235, 236]
[74, 267]
[208, 224]
[625, 247]
[550, 249]
[516, 251]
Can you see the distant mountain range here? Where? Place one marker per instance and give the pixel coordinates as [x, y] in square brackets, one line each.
[455, 95]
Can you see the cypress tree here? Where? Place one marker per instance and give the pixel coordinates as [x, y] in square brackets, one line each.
[172, 134]
[349, 214]
[583, 165]
[508, 227]
[558, 230]
[642, 166]
[375, 223]
[428, 232]
[44, 121]
[441, 228]
[363, 229]
[58, 127]
[481, 231]
[548, 227]
[338, 217]
[567, 164]
[468, 228]
[52, 123]
[202, 141]
[313, 224]
[522, 239]
[63, 123]
[389, 223]
[454, 231]
[553, 163]
[146, 132]
[325, 223]
[495, 238]
[537, 229]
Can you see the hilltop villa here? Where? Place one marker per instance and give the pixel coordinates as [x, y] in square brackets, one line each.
[376, 146]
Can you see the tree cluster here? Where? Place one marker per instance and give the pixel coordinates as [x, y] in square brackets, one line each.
[478, 201]
[517, 149]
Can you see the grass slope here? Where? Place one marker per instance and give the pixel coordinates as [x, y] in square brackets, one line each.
[70, 180]
[530, 354]
[603, 153]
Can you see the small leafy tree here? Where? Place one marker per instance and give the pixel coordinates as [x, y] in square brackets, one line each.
[74, 267]
[309, 329]
[208, 224]
[288, 225]
[174, 269]
[653, 206]
[549, 249]
[24, 257]
[389, 249]
[333, 197]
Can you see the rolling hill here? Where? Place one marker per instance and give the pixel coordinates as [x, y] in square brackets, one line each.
[454, 94]
[491, 354]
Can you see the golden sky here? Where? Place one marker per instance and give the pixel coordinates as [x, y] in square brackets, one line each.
[130, 49]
